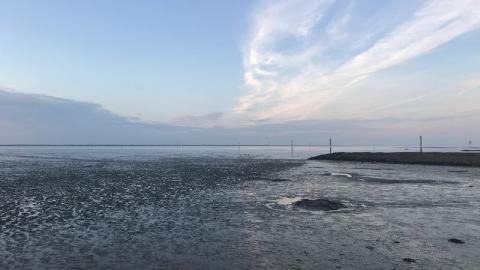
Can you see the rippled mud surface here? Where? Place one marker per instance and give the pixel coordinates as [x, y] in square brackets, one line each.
[99, 211]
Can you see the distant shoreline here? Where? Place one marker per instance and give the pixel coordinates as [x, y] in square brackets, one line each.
[470, 159]
[235, 145]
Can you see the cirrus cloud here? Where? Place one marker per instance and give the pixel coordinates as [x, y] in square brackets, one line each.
[296, 71]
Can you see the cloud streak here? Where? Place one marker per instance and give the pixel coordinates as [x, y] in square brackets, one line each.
[287, 58]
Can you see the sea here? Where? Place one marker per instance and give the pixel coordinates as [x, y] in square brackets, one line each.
[232, 207]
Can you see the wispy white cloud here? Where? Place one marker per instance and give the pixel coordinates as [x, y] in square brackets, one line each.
[469, 86]
[336, 29]
[285, 66]
[276, 22]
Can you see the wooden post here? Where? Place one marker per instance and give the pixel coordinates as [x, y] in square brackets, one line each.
[330, 146]
[421, 145]
[291, 143]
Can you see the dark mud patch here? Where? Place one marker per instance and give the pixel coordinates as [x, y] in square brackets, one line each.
[319, 204]
[458, 171]
[409, 260]
[456, 241]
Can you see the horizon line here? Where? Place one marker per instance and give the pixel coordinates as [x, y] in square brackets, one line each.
[219, 145]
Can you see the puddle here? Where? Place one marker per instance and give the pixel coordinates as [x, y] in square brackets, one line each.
[288, 200]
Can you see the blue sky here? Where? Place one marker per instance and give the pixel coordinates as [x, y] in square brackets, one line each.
[152, 59]
[241, 64]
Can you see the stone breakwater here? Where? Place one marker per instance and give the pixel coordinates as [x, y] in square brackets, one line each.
[432, 158]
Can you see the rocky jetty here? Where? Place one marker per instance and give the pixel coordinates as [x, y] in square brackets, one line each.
[469, 159]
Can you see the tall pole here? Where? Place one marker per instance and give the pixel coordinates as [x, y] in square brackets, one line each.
[421, 145]
[291, 144]
[330, 145]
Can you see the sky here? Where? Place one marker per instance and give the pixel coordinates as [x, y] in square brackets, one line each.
[363, 71]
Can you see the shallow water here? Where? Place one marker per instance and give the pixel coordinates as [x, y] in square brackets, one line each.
[146, 208]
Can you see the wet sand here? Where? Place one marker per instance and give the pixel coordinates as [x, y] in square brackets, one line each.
[431, 158]
[151, 212]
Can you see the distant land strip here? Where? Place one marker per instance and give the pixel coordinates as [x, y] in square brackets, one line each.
[174, 145]
[430, 158]
[236, 145]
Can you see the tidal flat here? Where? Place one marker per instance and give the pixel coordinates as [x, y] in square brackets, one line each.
[98, 209]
